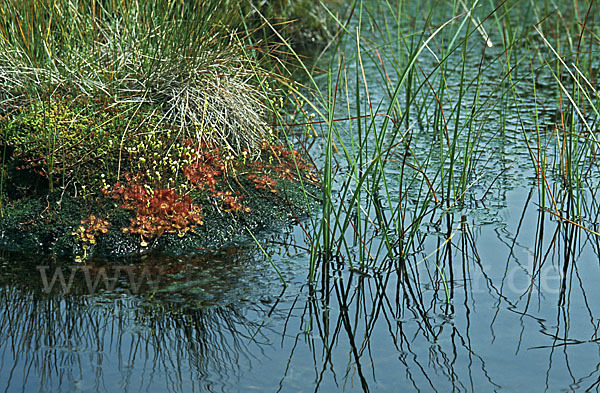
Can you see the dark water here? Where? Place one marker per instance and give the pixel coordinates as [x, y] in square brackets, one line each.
[516, 309]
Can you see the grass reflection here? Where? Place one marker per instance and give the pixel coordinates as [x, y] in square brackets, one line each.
[61, 341]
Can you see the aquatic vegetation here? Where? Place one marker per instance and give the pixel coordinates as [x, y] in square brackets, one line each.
[422, 111]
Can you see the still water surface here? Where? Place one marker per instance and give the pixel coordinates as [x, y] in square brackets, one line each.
[225, 323]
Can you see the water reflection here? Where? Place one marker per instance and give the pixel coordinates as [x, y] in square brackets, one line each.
[481, 308]
[159, 336]
[475, 308]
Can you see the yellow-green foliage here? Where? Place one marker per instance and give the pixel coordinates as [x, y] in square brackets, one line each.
[53, 137]
[95, 146]
[157, 157]
[66, 140]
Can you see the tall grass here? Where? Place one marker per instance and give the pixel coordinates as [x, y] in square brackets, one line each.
[182, 67]
[132, 51]
[422, 112]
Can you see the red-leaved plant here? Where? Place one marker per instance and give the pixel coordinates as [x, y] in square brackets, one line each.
[157, 212]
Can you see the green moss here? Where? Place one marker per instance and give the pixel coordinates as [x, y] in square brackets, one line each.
[63, 141]
[76, 168]
[46, 225]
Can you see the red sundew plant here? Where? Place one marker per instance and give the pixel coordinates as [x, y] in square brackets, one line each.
[262, 181]
[202, 176]
[161, 210]
[157, 212]
[289, 160]
[285, 173]
[206, 165]
[90, 228]
[230, 203]
[287, 165]
[87, 232]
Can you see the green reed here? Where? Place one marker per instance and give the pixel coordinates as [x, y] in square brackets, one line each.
[423, 149]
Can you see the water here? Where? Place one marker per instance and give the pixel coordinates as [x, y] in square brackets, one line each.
[224, 323]
[515, 310]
